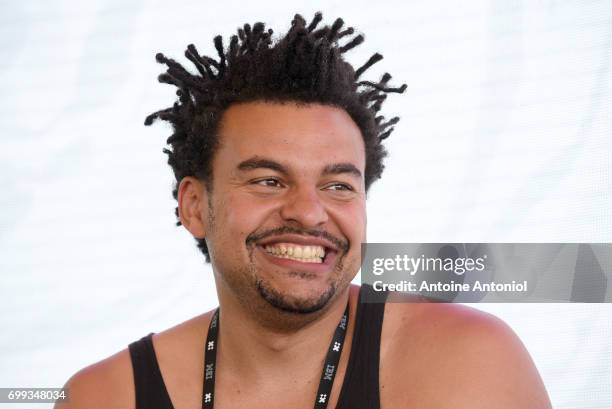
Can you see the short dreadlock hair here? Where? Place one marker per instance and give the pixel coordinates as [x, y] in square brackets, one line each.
[305, 66]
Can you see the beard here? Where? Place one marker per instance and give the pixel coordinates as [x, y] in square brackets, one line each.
[257, 294]
[275, 304]
[292, 304]
[280, 309]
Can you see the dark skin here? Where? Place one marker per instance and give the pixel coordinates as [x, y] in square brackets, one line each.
[310, 180]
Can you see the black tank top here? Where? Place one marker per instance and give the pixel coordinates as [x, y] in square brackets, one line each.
[359, 389]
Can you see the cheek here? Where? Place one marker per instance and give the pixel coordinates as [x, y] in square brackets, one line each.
[240, 217]
[354, 225]
[358, 228]
[353, 222]
[365, 227]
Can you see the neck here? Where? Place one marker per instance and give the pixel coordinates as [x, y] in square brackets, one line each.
[254, 349]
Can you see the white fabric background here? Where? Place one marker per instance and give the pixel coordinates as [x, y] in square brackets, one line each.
[505, 136]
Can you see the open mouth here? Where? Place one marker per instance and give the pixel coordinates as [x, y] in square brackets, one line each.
[300, 254]
[305, 254]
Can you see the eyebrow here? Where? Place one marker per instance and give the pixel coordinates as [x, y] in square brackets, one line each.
[339, 168]
[262, 163]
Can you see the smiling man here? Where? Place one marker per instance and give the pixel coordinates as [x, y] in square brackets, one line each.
[275, 145]
[286, 215]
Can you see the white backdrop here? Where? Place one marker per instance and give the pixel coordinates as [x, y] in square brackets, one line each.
[506, 136]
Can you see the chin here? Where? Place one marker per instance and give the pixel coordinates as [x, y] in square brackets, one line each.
[309, 301]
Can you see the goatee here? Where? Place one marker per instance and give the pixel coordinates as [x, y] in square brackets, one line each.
[293, 305]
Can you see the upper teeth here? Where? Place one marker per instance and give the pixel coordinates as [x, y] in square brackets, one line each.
[296, 250]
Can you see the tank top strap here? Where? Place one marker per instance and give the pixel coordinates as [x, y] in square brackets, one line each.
[360, 388]
[150, 390]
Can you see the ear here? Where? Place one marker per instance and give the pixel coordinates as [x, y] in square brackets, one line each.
[193, 206]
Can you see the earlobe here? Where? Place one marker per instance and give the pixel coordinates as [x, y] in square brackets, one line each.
[192, 202]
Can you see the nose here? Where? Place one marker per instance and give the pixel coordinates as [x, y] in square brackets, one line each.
[304, 206]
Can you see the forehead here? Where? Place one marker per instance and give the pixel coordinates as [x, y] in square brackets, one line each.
[301, 136]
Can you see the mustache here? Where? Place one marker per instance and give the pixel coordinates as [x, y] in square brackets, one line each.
[256, 236]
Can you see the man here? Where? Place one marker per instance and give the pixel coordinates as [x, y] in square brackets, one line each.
[275, 145]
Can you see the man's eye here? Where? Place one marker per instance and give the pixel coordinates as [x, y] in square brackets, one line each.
[340, 187]
[268, 182]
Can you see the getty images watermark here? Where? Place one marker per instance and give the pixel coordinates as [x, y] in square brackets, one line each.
[494, 272]
[458, 266]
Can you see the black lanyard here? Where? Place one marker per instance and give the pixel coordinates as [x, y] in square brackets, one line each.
[327, 377]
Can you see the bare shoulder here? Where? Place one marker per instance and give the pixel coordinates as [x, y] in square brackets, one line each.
[109, 383]
[105, 384]
[455, 356]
